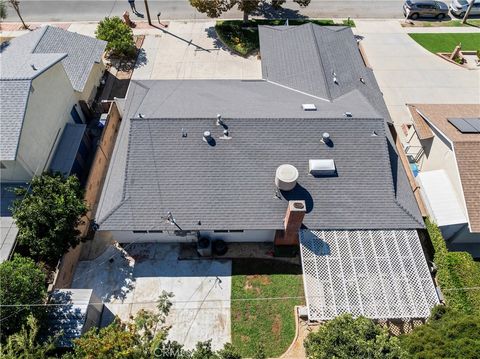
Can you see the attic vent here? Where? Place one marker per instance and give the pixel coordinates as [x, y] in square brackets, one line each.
[348, 114]
[309, 107]
[321, 167]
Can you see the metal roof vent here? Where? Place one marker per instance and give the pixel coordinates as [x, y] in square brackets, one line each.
[286, 177]
[325, 137]
[374, 133]
[141, 115]
[348, 114]
[207, 136]
[184, 132]
[335, 80]
[33, 67]
[309, 107]
[362, 80]
[219, 120]
[321, 167]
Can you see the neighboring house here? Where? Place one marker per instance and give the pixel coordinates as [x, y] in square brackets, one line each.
[46, 76]
[444, 143]
[307, 150]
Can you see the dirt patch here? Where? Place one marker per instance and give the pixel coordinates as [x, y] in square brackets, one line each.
[245, 338]
[254, 282]
[277, 325]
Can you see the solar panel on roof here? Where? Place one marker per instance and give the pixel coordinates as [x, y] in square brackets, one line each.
[466, 125]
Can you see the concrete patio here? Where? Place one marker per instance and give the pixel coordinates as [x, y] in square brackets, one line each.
[132, 278]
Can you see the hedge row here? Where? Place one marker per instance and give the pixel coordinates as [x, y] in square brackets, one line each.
[456, 271]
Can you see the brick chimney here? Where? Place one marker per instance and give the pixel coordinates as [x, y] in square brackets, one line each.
[292, 223]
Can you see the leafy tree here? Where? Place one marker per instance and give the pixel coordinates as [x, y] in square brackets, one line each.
[16, 6]
[48, 215]
[346, 337]
[447, 334]
[138, 339]
[24, 344]
[118, 35]
[215, 8]
[21, 282]
[229, 352]
[3, 10]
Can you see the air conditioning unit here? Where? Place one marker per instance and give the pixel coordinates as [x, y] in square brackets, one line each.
[322, 167]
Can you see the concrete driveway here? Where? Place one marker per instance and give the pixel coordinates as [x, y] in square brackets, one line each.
[407, 73]
[131, 279]
[190, 50]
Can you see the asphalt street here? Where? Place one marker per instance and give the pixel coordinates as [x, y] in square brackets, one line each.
[86, 10]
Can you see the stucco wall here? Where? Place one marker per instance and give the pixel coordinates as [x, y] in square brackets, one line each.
[93, 81]
[48, 110]
[169, 236]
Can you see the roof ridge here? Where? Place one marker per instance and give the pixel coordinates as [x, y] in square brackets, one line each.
[43, 31]
[320, 61]
[407, 211]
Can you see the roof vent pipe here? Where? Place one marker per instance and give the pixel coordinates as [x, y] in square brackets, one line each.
[219, 120]
[348, 114]
[325, 137]
[207, 136]
[33, 67]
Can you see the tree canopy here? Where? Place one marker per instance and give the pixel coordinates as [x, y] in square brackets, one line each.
[447, 334]
[346, 338]
[215, 8]
[48, 214]
[118, 35]
[21, 282]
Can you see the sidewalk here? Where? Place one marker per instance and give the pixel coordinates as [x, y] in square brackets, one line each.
[408, 73]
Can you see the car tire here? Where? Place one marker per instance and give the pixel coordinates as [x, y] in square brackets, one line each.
[414, 16]
[440, 16]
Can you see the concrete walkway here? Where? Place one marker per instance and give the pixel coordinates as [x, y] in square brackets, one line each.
[408, 73]
[191, 51]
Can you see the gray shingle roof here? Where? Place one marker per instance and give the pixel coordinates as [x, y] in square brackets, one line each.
[82, 52]
[41, 48]
[308, 58]
[231, 185]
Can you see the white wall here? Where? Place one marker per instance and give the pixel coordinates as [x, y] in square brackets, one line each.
[93, 81]
[246, 236]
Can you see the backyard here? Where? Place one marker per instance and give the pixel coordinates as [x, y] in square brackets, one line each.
[256, 319]
[244, 39]
[446, 42]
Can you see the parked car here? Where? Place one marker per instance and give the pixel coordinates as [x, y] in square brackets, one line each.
[459, 7]
[425, 8]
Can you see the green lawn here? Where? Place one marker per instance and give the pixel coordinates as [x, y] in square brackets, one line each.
[244, 39]
[269, 322]
[446, 42]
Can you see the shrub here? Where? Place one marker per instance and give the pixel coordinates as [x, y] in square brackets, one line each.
[447, 334]
[21, 282]
[346, 337]
[118, 35]
[455, 271]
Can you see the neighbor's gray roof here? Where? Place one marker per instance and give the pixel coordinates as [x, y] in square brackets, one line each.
[231, 185]
[41, 48]
[83, 52]
[308, 57]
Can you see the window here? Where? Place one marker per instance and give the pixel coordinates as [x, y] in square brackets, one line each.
[2, 165]
[220, 231]
[236, 231]
[155, 231]
[139, 231]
